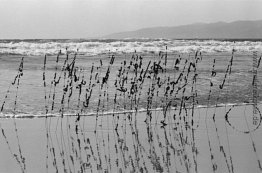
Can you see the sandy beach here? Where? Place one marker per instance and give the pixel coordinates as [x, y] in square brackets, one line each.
[132, 86]
[136, 145]
[135, 112]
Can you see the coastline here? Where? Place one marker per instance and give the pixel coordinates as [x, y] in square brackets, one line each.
[127, 113]
[33, 141]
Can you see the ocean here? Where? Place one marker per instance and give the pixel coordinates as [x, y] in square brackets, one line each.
[132, 105]
[31, 93]
[90, 47]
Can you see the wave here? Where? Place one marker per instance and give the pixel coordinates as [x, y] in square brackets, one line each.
[105, 113]
[103, 46]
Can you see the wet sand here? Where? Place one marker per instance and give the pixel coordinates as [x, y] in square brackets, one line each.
[222, 142]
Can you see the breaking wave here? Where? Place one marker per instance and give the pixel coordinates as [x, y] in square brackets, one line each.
[103, 46]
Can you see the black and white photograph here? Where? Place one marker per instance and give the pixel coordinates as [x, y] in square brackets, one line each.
[130, 86]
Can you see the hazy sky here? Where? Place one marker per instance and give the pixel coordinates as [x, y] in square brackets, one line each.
[92, 18]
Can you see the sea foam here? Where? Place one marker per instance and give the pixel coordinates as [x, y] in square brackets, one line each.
[97, 47]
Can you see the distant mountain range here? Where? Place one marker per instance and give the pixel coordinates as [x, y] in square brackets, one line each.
[219, 30]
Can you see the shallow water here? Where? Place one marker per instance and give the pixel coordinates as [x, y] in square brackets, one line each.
[31, 92]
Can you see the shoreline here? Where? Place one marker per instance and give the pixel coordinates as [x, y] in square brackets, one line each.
[207, 133]
[91, 114]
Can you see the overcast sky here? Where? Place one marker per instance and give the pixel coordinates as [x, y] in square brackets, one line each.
[24, 19]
